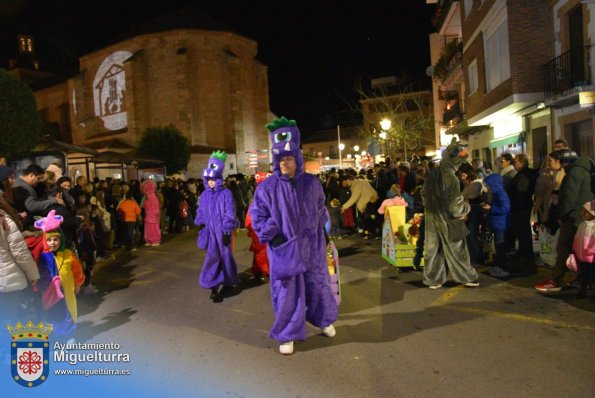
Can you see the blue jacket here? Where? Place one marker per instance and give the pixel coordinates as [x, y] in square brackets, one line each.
[498, 214]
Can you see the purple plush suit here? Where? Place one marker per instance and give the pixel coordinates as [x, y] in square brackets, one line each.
[294, 208]
[217, 212]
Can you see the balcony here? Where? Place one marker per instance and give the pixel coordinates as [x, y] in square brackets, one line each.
[447, 18]
[450, 59]
[453, 114]
[568, 72]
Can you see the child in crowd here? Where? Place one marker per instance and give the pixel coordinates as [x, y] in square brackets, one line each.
[57, 260]
[129, 213]
[87, 247]
[551, 223]
[498, 211]
[582, 258]
[152, 209]
[334, 210]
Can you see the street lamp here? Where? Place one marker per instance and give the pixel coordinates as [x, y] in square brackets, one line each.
[341, 147]
[356, 148]
[386, 124]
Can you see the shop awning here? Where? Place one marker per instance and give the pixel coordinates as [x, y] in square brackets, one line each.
[504, 141]
[48, 145]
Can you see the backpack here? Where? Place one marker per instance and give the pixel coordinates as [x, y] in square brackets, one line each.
[184, 209]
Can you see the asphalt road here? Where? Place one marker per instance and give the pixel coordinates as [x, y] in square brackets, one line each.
[395, 338]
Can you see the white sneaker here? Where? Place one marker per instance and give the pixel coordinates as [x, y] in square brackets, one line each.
[155, 244]
[472, 284]
[286, 348]
[498, 272]
[434, 287]
[329, 331]
[90, 290]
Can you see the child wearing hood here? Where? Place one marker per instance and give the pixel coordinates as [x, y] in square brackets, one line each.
[582, 259]
[216, 220]
[497, 211]
[152, 209]
[56, 260]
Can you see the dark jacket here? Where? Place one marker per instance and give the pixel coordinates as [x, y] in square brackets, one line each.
[575, 190]
[521, 190]
[498, 214]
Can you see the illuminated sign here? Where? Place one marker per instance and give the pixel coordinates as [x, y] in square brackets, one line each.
[586, 99]
[109, 91]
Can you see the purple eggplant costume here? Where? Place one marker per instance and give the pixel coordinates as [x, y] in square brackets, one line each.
[292, 210]
[217, 213]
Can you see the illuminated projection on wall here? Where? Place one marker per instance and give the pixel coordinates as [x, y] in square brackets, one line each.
[109, 91]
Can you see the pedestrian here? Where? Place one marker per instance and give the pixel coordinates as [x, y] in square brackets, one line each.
[216, 221]
[129, 213]
[498, 210]
[574, 192]
[152, 209]
[17, 269]
[583, 249]
[445, 230]
[260, 261]
[288, 214]
[56, 260]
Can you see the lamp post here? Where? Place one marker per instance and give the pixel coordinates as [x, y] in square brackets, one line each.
[341, 146]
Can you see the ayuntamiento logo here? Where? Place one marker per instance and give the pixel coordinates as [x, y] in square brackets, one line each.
[29, 353]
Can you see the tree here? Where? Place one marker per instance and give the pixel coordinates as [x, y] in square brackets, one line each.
[20, 124]
[167, 144]
[410, 112]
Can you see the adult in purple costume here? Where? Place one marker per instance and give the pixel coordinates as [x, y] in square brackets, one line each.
[216, 220]
[288, 213]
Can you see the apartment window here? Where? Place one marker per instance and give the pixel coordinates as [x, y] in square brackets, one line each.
[468, 5]
[497, 56]
[472, 75]
[312, 152]
[332, 151]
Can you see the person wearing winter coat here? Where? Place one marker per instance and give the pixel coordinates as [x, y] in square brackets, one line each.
[17, 267]
[583, 249]
[498, 211]
[574, 192]
[216, 220]
[152, 209]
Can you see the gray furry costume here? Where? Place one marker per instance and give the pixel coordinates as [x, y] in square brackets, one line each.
[445, 242]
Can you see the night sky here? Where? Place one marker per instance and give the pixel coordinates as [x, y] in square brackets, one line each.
[315, 50]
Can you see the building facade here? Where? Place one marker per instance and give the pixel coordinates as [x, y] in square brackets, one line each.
[206, 83]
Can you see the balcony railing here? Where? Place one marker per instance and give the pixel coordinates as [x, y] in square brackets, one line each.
[441, 13]
[454, 113]
[567, 71]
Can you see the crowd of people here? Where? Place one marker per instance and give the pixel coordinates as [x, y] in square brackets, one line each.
[52, 226]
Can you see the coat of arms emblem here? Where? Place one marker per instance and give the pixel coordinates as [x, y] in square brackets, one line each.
[29, 352]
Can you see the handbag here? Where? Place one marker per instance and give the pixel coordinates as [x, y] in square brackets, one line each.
[52, 294]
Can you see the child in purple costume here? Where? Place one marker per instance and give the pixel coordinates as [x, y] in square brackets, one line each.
[288, 213]
[216, 220]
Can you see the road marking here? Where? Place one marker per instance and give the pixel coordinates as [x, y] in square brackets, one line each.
[522, 318]
[443, 300]
[447, 296]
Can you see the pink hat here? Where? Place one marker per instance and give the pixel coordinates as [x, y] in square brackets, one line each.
[590, 207]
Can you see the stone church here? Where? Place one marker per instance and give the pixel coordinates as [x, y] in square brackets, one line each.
[183, 69]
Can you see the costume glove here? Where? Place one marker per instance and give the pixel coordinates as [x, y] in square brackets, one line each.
[226, 238]
[278, 240]
[200, 227]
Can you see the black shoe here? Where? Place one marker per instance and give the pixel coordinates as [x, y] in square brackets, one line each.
[214, 293]
[226, 291]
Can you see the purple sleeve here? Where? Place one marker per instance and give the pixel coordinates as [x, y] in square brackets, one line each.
[200, 218]
[262, 222]
[230, 220]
